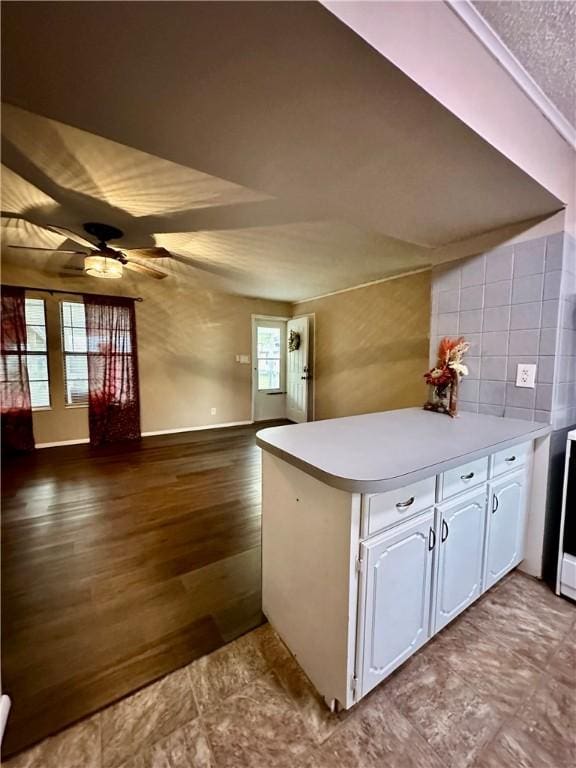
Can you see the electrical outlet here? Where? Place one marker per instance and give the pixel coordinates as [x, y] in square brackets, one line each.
[526, 375]
[212, 411]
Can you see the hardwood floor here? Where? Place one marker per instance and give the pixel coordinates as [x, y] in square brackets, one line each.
[121, 564]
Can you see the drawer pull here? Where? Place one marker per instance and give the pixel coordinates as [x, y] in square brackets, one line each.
[445, 531]
[404, 504]
[510, 459]
[469, 476]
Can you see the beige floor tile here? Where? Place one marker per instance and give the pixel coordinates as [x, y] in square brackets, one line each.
[186, 747]
[259, 727]
[271, 646]
[76, 747]
[376, 736]
[562, 665]
[319, 721]
[532, 634]
[535, 596]
[549, 717]
[146, 717]
[515, 747]
[455, 720]
[500, 676]
[226, 671]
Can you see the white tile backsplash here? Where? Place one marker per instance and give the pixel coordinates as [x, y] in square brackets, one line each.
[515, 304]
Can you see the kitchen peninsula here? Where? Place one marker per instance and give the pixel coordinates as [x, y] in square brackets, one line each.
[379, 529]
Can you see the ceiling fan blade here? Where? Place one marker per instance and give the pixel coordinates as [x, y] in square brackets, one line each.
[151, 272]
[68, 233]
[148, 253]
[52, 250]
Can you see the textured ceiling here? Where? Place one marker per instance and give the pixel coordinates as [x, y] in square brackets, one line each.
[542, 36]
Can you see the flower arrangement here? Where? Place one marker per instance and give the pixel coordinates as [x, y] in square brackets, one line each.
[444, 378]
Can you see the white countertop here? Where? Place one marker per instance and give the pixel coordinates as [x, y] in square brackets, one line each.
[378, 452]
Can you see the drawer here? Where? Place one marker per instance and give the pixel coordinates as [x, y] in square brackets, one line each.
[509, 459]
[381, 510]
[463, 478]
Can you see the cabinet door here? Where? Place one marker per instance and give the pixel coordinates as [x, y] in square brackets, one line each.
[460, 556]
[505, 527]
[397, 571]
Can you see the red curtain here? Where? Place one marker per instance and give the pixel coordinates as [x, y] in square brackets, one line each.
[16, 410]
[114, 402]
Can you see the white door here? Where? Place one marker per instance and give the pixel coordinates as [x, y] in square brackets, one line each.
[460, 555]
[397, 575]
[505, 527]
[297, 369]
[268, 369]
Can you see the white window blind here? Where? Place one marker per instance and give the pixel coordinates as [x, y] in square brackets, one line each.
[37, 353]
[74, 347]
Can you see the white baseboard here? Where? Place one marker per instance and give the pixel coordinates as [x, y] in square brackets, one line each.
[85, 440]
[197, 429]
[80, 441]
[568, 576]
[4, 710]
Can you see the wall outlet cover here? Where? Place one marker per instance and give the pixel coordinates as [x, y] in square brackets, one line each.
[526, 375]
[212, 411]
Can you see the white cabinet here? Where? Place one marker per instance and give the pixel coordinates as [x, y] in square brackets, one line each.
[461, 528]
[397, 575]
[505, 527]
[355, 582]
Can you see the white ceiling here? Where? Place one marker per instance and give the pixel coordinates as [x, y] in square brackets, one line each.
[542, 36]
[266, 145]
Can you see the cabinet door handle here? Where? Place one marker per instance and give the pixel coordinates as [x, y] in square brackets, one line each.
[510, 459]
[404, 504]
[469, 476]
[431, 539]
[494, 503]
[445, 531]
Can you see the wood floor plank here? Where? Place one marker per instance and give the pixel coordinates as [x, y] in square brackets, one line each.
[121, 564]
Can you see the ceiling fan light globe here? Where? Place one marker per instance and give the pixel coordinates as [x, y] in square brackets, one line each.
[102, 266]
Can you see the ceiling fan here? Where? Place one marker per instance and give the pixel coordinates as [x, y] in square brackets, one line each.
[101, 260]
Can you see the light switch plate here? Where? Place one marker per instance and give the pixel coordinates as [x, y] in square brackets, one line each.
[526, 375]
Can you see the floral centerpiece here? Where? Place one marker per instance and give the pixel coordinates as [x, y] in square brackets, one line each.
[444, 378]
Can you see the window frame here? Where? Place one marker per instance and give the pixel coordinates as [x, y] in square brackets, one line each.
[277, 323]
[65, 354]
[42, 353]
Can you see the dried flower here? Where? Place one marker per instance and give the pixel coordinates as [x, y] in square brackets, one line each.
[449, 365]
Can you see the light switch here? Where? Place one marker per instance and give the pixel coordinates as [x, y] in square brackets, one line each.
[526, 375]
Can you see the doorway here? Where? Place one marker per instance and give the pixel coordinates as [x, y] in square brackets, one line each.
[282, 352]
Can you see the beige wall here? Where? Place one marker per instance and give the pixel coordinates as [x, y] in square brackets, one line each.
[371, 350]
[187, 343]
[371, 347]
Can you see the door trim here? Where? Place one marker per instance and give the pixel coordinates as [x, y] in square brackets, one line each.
[254, 318]
[311, 361]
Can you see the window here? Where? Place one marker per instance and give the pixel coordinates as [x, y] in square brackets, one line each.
[74, 346]
[37, 353]
[268, 352]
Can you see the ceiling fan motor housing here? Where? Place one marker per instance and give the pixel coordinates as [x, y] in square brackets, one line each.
[103, 232]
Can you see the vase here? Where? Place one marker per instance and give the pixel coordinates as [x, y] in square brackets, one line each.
[444, 398]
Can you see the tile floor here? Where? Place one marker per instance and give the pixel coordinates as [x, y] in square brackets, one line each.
[496, 689]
